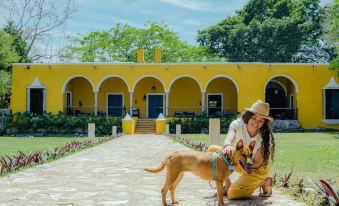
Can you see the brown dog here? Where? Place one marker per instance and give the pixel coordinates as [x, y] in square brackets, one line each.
[200, 164]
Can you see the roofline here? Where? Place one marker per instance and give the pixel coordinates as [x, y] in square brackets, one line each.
[168, 63]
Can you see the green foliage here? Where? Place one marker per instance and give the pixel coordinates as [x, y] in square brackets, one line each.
[121, 42]
[19, 44]
[7, 51]
[61, 123]
[265, 31]
[5, 88]
[200, 123]
[334, 65]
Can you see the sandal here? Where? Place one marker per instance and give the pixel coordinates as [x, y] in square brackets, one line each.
[266, 186]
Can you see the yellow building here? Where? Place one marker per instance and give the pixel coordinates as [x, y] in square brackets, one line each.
[306, 92]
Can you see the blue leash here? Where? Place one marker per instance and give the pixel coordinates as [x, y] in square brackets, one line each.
[214, 163]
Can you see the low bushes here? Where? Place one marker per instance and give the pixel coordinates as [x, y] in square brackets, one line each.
[47, 123]
[200, 123]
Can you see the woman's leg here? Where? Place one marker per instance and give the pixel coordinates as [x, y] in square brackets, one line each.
[246, 184]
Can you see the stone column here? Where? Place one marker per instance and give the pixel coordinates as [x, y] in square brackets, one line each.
[96, 103]
[167, 129]
[203, 101]
[131, 103]
[214, 131]
[114, 131]
[167, 100]
[178, 131]
[91, 132]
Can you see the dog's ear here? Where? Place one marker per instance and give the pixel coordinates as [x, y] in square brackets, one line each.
[240, 145]
[252, 145]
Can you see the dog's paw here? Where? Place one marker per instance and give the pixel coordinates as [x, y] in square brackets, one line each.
[175, 202]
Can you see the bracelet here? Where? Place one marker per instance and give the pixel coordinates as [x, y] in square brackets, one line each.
[226, 146]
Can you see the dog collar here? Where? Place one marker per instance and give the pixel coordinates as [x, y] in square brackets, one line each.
[226, 161]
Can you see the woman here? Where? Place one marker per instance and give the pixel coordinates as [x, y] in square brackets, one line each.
[253, 127]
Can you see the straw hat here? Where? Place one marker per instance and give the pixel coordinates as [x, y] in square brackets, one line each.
[261, 109]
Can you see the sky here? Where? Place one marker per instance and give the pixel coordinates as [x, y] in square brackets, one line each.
[185, 17]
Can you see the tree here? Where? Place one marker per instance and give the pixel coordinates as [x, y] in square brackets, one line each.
[18, 43]
[121, 42]
[265, 30]
[334, 13]
[5, 88]
[7, 52]
[36, 20]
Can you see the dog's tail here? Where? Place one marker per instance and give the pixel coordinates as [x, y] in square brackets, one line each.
[157, 170]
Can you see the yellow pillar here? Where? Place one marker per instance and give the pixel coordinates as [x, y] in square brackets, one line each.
[128, 126]
[160, 126]
[140, 56]
[157, 55]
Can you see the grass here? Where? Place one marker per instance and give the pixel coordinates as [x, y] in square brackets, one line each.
[11, 145]
[313, 155]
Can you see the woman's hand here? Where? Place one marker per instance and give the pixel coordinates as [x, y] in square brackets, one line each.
[227, 149]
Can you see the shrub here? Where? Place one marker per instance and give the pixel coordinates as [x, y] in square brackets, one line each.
[61, 123]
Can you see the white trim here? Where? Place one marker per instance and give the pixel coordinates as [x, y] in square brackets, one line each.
[222, 76]
[123, 98]
[75, 76]
[145, 76]
[332, 84]
[182, 76]
[36, 84]
[111, 76]
[327, 121]
[68, 92]
[163, 102]
[222, 100]
[282, 75]
[331, 121]
[281, 84]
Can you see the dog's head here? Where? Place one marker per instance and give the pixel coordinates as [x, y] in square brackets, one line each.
[242, 157]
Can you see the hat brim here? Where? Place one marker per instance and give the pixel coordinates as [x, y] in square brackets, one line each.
[266, 117]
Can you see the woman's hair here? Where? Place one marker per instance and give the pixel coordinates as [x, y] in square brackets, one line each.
[266, 135]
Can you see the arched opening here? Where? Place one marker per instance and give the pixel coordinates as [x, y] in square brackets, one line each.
[149, 97]
[280, 94]
[113, 97]
[184, 98]
[221, 96]
[78, 96]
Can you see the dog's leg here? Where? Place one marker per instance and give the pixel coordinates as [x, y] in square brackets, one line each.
[170, 179]
[174, 186]
[219, 185]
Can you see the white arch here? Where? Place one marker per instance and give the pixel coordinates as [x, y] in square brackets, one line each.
[75, 76]
[222, 76]
[181, 76]
[282, 75]
[136, 82]
[111, 76]
[281, 84]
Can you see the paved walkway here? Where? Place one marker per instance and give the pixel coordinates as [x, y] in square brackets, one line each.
[112, 174]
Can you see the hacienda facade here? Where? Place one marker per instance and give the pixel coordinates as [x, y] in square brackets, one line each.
[308, 93]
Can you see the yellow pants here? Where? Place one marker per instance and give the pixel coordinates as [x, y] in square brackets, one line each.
[246, 184]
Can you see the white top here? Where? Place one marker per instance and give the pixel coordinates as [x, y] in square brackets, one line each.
[241, 134]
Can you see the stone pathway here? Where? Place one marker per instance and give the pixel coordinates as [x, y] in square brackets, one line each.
[112, 174]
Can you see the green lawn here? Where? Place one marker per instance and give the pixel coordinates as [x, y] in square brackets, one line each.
[314, 155]
[11, 145]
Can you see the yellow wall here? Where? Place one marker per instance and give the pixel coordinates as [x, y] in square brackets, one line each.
[227, 88]
[250, 78]
[112, 85]
[185, 93]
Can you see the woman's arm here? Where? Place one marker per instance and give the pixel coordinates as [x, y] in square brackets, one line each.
[227, 148]
[258, 160]
[230, 136]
